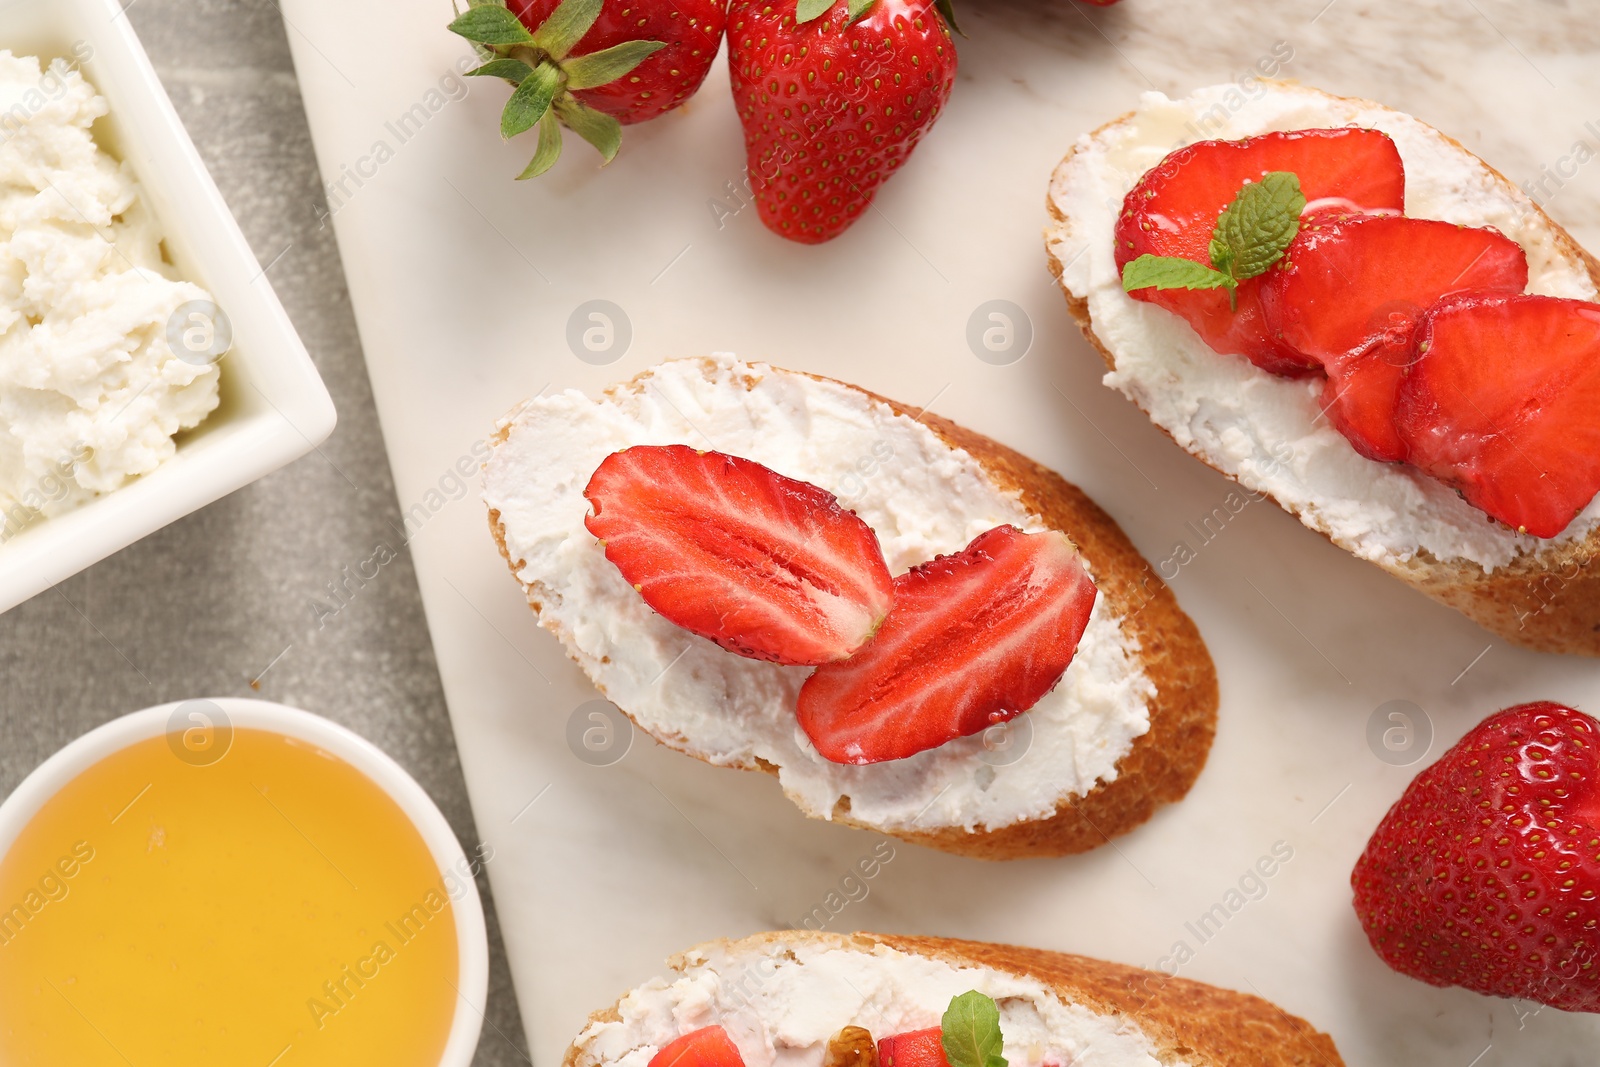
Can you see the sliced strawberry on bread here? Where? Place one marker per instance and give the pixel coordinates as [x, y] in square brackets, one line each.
[1347, 296]
[974, 639]
[766, 566]
[1173, 211]
[709, 1046]
[919, 1048]
[1501, 404]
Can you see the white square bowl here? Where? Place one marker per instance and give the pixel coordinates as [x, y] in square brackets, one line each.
[274, 406]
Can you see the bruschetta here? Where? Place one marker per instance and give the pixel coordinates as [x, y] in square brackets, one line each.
[864, 1000]
[1412, 372]
[1122, 730]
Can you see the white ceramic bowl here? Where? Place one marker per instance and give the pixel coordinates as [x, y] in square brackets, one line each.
[54, 773]
[274, 405]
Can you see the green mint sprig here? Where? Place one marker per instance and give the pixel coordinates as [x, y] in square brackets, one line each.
[1252, 234]
[970, 1032]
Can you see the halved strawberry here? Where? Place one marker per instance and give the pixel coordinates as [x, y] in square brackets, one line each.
[709, 1046]
[919, 1048]
[1501, 403]
[766, 566]
[1173, 212]
[973, 639]
[1347, 296]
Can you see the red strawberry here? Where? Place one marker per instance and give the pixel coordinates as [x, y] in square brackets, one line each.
[691, 30]
[1486, 872]
[832, 107]
[1173, 212]
[766, 566]
[591, 65]
[973, 639]
[1500, 403]
[1347, 296]
[919, 1048]
[709, 1046]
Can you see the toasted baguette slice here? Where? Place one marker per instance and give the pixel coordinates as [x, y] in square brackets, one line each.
[1054, 1007]
[1126, 730]
[1266, 432]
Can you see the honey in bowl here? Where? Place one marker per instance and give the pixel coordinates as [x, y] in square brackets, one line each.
[261, 902]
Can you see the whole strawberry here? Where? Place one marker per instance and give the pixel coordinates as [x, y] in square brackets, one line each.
[1486, 873]
[833, 100]
[591, 65]
[690, 29]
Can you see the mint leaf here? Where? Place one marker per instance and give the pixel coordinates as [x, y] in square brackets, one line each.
[1253, 231]
[1171, 272]
[1251, 235]
[971, 1032]
[488, 24]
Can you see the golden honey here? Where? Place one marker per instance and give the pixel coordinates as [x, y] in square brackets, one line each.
[273, 907]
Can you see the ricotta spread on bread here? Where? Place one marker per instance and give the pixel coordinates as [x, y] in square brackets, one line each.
[920, 496]
[1266, 431]
[780, 1003]
[91, 392]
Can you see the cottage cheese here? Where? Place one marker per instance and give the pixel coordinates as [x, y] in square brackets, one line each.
[1264, 430]
[91, 393]
[919, 495]
[781, 1004]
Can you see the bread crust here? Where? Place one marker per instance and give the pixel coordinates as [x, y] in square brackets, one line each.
[1162, 763]
[1187, 1021]
[1547, 601]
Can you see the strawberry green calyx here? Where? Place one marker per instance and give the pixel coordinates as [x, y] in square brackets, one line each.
[807, 10]
[539, 64]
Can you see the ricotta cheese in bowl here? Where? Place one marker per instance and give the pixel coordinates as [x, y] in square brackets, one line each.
[92, 392]
[920, 496]
[1268, 432]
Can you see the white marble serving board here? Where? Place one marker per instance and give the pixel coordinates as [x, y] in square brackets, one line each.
[464, 282]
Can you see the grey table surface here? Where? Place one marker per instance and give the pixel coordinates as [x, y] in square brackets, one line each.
[224, 597]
